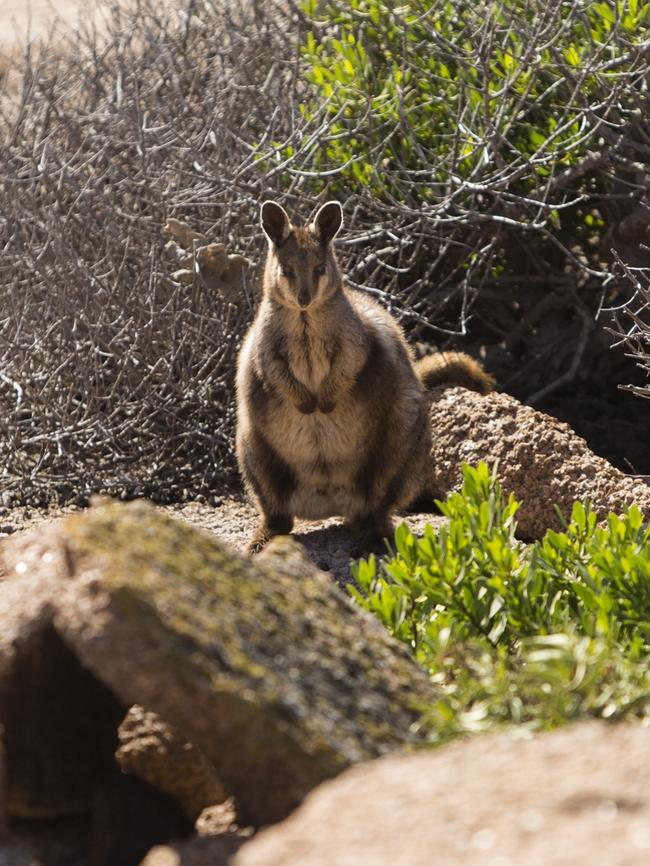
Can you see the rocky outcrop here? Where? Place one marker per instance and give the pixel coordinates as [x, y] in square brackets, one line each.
[59, 726]
[152, 750]
[541, 460]
[272, 674]
[580, 795]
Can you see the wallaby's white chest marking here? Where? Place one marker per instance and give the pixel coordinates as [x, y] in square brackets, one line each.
[308, 353]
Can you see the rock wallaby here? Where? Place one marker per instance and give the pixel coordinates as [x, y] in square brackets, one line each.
[332, 410]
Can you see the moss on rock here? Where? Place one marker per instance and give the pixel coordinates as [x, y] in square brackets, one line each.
[272, 673]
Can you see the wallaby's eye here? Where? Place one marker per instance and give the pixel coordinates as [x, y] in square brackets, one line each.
[319, 270]
[287, 271]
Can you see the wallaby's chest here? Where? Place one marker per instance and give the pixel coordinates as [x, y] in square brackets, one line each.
[309, 356]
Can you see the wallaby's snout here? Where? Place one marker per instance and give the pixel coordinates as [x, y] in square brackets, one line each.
[304, 282]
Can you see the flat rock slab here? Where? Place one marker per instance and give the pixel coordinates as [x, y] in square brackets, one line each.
[540, 459]
[264, 664]
[574, 797]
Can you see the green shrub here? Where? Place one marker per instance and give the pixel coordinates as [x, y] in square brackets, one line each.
[544, 682]
[492, 149]
[540, 634]
[431, 95]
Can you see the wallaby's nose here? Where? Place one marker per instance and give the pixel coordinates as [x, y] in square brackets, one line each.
[304, 298]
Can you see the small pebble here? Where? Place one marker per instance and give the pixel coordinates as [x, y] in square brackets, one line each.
[7, 529]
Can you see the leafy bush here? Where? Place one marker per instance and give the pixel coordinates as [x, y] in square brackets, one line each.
[509, 92]
[545, 633]
[500, 145]
[544, 682]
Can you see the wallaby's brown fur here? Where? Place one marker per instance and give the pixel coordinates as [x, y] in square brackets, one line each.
[332, 418]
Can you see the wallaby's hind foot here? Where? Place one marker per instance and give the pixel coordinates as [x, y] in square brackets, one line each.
[276, 525]
[371, 533]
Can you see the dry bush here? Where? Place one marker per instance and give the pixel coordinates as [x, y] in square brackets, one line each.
[632, 325]
[112, 376]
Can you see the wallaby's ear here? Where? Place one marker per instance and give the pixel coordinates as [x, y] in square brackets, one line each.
[328, 221]
[275, 222]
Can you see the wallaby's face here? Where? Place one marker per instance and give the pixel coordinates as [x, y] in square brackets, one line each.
[301, 269]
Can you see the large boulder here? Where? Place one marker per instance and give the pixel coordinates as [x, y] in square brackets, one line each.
[272, 673]
[577, 796]
[540, 459]
[59, 725]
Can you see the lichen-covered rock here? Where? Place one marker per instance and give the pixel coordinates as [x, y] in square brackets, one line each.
[276, 677]
[576, 796]
[541, 460]
[152, 750]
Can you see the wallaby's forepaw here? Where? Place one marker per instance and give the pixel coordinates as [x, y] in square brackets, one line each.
[308, 406]
[325, 406]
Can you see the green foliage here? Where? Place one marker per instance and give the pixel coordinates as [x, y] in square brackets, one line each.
[514, 91]
[544, 682]
[491, 139]
[540, 634]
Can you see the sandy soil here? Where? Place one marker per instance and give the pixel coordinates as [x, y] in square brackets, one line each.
[18, 18]
[329, 543]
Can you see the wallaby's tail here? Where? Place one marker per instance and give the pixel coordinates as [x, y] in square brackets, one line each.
[453, 368]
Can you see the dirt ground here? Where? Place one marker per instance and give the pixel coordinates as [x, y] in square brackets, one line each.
[329, 543]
